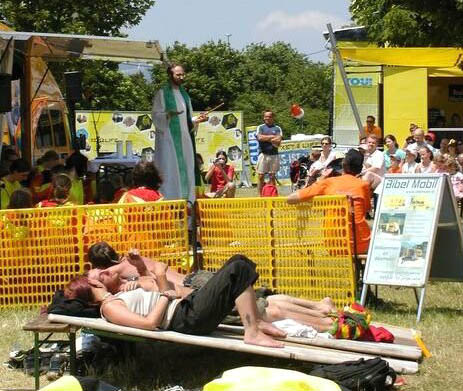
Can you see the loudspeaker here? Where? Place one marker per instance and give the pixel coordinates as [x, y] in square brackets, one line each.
[5, 92]
[73, 86]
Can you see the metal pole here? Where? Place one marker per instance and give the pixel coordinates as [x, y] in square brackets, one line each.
[338, 58]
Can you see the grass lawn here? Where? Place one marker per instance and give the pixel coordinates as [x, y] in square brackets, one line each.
[154, 366]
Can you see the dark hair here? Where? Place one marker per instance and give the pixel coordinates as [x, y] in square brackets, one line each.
[61, 187]
[410, 140]
[146, 174]
[268, 111]
[353, 162]
[49, 156]
[170, 68]
[101, 255]
[79, 288]
[78, 162]
[427, 149]
[394, 140]
[370, 116]
[106, 192]
[222, 153]
[19, 165]
[20, 199]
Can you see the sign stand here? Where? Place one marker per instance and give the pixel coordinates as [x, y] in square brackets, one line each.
[416, 235]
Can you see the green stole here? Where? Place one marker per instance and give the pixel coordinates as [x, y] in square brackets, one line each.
[175, 131]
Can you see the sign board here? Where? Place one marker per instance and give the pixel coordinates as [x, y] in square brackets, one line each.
[222, 131]
[416, 233]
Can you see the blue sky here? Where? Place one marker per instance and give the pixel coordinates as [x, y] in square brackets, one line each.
[193, 22]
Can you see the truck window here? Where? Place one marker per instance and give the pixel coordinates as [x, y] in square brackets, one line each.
[58, 128]
[43, 137]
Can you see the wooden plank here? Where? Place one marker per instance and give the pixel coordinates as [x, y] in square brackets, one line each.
[41, 324]
[376, 348]
[301, 353]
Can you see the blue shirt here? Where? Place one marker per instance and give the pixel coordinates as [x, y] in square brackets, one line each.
[266, 147]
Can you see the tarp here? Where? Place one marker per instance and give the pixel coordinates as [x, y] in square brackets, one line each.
[448, 58]
[56, 47]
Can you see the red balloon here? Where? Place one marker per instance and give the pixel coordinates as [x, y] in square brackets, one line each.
[296, 110]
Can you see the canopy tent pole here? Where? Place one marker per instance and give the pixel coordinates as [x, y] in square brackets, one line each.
[338, 58]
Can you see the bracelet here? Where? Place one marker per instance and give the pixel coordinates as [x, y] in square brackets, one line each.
[162, 294]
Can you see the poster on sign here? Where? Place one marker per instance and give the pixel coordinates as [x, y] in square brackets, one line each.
[414, 212]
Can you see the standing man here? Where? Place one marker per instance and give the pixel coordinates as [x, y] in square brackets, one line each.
[175, 148]
[371, 129]
[269, 137]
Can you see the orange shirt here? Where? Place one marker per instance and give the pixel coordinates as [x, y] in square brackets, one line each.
[376, 130]
[351, 186]
[394, 170]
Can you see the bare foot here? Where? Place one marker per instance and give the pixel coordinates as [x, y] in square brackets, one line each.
[271, 330]
[260, 339]
[327, 306]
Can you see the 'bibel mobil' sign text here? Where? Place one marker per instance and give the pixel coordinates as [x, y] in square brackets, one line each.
[360, 81]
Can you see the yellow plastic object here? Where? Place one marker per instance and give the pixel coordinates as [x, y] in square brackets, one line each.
[417, 335]
[42, 249]
[65, 383]
[299, 250]
[269, 379]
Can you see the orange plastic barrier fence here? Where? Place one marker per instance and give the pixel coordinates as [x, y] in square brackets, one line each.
[42, 249]
[299, 250]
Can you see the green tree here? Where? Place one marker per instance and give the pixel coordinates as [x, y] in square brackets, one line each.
[257, 78]
[96, 17]
[410, 22]
[101, 80]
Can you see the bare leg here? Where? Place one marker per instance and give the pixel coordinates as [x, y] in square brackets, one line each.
[230, 189]
[324, 306]
[253, 335]
[276, 311]
[260, 183]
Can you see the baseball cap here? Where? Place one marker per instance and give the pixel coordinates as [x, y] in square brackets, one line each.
[430, 136]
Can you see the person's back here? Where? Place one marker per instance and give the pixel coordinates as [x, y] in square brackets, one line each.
[359, 191]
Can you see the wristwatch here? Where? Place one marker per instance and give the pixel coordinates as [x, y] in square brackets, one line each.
[165, 295]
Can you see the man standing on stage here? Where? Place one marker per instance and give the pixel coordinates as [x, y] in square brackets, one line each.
[175, 149]
[269, 136]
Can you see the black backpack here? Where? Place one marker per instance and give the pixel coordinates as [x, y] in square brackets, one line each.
[360, 375]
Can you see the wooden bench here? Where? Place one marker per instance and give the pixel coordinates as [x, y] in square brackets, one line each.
[41, 325]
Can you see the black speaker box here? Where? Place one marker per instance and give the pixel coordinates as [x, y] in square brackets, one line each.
[5, 92]
[73, 86]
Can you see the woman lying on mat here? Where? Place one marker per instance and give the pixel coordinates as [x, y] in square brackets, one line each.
[135, 272]
[200, 312]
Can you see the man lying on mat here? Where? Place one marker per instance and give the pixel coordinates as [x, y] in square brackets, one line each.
[199, 313]
[135, 272]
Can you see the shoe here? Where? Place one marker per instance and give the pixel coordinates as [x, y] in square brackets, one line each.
[56, 368]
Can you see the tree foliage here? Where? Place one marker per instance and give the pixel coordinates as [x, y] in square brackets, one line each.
[257, 78]
[410, 22]
[96, 17]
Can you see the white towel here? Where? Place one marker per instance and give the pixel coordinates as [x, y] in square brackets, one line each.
[295, 329]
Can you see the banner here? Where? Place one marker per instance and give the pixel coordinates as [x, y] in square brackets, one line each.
[223, 131]
[364, 83]
[112, 126]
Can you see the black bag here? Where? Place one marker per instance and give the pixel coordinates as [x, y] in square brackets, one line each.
[360, 375]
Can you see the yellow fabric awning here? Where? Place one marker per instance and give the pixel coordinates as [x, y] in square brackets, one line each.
[407, 57]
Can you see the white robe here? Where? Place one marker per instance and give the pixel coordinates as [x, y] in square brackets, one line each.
[165, 155]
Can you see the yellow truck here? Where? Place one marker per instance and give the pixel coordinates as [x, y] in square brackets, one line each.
[39, 117]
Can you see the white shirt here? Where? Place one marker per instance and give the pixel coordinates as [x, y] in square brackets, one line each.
[409, 168]
[376, 160]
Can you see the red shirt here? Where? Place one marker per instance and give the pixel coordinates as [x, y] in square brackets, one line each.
[218, 181]
[349, 185]
[141, 194]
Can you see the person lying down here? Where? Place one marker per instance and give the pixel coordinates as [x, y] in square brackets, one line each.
[197, 312]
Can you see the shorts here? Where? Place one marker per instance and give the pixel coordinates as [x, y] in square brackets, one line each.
[268, 164]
